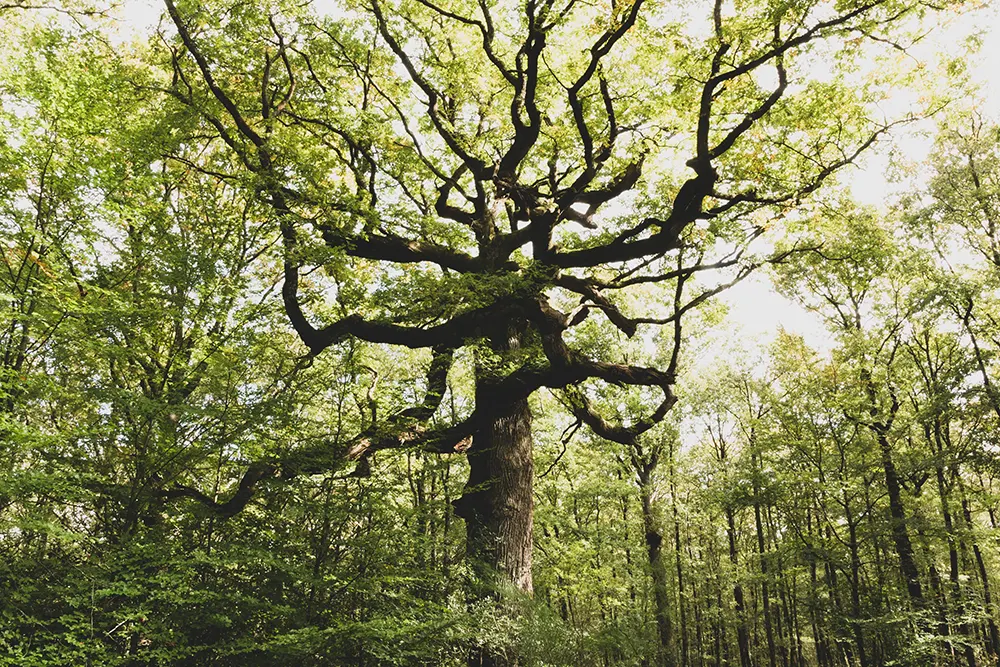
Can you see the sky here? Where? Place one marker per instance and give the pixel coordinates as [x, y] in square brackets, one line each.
[754, 307]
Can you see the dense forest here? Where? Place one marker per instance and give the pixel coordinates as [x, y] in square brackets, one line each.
[394, 332]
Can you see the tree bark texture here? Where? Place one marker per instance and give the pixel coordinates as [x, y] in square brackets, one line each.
[900, 534]
[498, 503]
[658, 569]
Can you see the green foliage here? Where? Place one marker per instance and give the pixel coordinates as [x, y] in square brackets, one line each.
[147, 364]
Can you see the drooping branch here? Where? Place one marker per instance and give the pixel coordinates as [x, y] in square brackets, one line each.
[570, 368]
[822, 175]
[400, 430]
[626, 435]
[408, 427]
[588, 291]
[397, 249]
[452, 332]
[245, 490]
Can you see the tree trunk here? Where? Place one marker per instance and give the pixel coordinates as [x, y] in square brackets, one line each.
[855, 581]
[719, 644]
[954, 576]
[830, 579]
[498, 504]
[816, 616]
[992, 634]
[741, 623]
[900, 534]
[699, 632]
[658, 569]
[939, 603]
[681, 602]
[765, 592]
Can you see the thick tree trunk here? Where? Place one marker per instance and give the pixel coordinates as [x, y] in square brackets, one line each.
[498, 503]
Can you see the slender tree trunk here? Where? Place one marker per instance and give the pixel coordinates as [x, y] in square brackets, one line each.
[796, 621]
[765, 592]
[816, 617]
[879, 601]
[819, 638]
[696, 602]
[852, 531]
[681, 602]
[632, 593]
[992, 634]
[658, 569]
[940, 602]
[719, 644]
[953, 567]
[789, 640]
[900, 534]
[741, 622]
[765, 589]
[830, 577]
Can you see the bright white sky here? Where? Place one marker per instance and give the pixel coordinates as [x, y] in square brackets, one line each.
[758, 311]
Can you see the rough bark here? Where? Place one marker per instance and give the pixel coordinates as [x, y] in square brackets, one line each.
[900, 534]
[658, 569]
[498, 503]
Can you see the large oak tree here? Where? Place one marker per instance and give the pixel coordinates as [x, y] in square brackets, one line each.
[476, 177]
